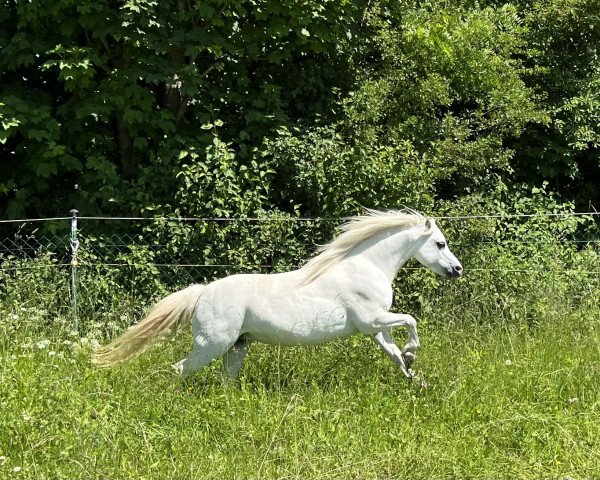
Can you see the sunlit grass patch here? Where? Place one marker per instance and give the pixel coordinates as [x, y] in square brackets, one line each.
[503, 401]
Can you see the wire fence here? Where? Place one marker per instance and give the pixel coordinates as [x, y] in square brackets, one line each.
[90, 257]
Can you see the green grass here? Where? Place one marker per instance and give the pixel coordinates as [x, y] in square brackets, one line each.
[504, 401]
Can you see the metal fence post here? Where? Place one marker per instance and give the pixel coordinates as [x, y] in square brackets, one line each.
[74, 248]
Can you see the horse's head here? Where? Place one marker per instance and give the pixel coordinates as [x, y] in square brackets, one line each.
[431, 250]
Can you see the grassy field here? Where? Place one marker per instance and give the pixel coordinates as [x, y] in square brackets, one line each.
[505, 400]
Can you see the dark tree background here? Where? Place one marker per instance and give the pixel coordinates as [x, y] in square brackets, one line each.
[231, 108]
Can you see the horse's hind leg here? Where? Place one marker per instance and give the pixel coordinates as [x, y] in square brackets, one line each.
[215, 331]
[202, 354]
[234, 358]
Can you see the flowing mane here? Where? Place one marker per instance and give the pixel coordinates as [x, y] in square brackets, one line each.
[356, 230]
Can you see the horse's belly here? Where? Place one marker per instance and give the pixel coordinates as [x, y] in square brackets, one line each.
[298, 322]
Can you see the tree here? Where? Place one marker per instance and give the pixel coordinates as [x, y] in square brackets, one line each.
[440, 95]
[563, 38]
[232, 108]
[102, 102]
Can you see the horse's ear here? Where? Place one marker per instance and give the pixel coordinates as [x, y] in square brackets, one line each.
[428, 224]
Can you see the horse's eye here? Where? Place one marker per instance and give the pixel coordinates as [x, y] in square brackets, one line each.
[441, 245]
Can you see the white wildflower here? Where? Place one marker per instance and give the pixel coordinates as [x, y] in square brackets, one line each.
[43, 344]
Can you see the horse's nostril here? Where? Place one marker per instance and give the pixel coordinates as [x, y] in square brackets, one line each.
[458, 269]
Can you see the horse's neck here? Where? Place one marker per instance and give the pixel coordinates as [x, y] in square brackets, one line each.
[388, 251]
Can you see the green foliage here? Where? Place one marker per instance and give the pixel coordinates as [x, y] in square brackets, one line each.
[101, 99]
[24, 285]
[563, 38]
[320, 171]
[525, 251]
[448, 80]
[132, 108]
[216, 183]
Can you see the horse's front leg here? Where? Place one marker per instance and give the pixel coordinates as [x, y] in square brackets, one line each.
[385, 341]
[387, 320]
[383, 322]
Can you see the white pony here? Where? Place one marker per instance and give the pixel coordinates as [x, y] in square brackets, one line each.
[345, 289]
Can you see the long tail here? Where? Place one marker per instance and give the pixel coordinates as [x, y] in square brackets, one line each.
[167, 315]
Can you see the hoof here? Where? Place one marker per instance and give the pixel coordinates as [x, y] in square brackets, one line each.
[409, 373]
[409, 359]
[177, 369]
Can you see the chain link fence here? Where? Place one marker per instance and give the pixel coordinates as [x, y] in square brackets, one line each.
[93, 263]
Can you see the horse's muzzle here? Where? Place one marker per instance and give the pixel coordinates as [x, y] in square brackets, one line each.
[455, 272]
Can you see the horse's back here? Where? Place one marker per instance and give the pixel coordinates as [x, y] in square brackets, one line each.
[275, 309]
